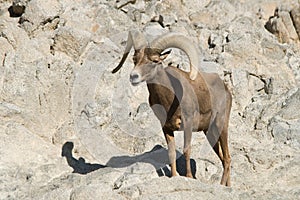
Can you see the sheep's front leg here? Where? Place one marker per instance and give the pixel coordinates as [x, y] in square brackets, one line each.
[169, 135]
[187, 148]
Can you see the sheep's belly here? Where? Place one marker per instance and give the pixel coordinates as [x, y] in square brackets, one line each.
[201, 121]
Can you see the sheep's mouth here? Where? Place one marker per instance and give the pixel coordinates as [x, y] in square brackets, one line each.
[139, 80]
[136, 83]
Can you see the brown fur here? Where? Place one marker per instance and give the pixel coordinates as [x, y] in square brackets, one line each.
[181, 101]
[188, 106]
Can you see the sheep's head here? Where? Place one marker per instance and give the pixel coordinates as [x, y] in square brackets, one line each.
[148, 58]
[146, 62]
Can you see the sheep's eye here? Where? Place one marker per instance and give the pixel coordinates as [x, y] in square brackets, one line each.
[134, 59]
[155, 59]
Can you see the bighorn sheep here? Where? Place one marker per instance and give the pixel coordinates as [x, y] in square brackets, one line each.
[194, 101]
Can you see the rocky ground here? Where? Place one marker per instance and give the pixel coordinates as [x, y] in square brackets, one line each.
[72, 130]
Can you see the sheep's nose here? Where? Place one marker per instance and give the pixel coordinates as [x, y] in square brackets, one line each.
[134, 78]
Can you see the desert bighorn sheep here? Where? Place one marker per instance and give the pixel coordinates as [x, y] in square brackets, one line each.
[195, 101]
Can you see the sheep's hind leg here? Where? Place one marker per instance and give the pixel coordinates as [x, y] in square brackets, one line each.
[169, 135]
[218, 150]
[187, 149]
[226, 159]
[219, 142]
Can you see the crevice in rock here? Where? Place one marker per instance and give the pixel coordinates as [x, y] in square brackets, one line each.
[22, 20]
[211, 45]
[4, 59]
[49, 21]
[40, 100]
[7, 39]
[268, 83]
[159, 19]
[123, 3]
[52, 51]
[119, 182]
[249, 159]
[228, 74]
[16, 11]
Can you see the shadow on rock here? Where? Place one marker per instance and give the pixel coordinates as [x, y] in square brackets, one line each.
[79, 166]
[158, 157]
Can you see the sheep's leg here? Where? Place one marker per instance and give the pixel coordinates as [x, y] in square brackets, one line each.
[218, 150]
[220, 146]
[226, 158]
[213, 137]
[169, 135]
[187, 148]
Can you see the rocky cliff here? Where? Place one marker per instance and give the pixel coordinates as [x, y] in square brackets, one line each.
[70, 129]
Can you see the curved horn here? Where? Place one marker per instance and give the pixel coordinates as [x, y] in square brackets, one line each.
[179, 41]
[135, 39]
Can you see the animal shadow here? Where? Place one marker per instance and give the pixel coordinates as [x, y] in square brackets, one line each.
[157, 157]
[79, 166]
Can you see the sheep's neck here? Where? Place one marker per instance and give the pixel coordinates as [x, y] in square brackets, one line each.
[161, 89]
[162, 92]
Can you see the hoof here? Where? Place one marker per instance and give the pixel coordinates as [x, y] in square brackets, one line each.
[189, 175]
[174, 175]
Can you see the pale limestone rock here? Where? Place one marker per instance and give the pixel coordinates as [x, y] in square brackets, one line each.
[296, 19]
[284, 25]
[72, 130]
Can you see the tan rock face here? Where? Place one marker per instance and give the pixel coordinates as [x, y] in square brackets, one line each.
[63, 111]
[295, 15]
[285, 25]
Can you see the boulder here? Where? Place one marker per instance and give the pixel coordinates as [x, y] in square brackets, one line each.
[284, 25]
[296, 19]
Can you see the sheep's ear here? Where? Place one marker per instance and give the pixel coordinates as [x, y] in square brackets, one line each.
[164, 55]
[155, 56]
[158, 58]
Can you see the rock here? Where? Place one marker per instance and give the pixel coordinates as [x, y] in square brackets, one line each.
[38, 13]
[296, 19]
[29, 168]
[285, 123]
[93, 191]
[71, 42]
[284, 26]
[289, 24]
[289, 106]
[195, 5]
[266, 9]
[175, 188]
[211, 16]
[272, 50]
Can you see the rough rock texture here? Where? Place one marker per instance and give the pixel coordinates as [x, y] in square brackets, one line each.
[285, 25]
[69, 129]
